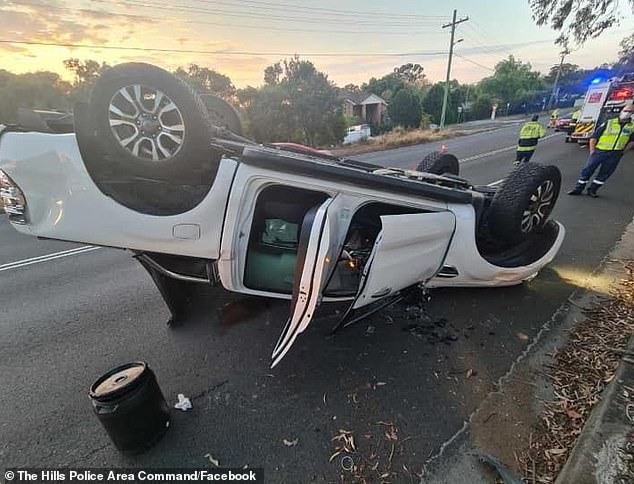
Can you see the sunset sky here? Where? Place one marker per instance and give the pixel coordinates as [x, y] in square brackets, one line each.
[350, 41]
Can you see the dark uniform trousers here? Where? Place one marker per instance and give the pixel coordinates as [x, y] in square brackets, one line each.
[605, 161]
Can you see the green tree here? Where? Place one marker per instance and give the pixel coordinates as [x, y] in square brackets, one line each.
[206, 80]
[511, 82]
[626, 54]
[411, 74]
[433, 101]
[481, 107]
[579, 19]
[298, 104]
[267, 112]
[405, 109]
[86, 74]
[313, 99]
[273, 73]
[569, 72]
[36, 90]
[385, 87]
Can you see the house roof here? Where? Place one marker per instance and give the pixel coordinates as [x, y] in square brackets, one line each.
[362, 97]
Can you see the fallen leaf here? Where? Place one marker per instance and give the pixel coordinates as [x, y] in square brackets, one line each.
[573, 414]
[556, 451]
[290, 443]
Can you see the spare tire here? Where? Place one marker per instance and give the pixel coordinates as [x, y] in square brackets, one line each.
[523, 203]
[222, 114]
[150, 123]
[440, 163]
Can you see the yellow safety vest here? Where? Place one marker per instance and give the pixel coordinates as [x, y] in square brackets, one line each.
[529, 134]
[615, 136]
[576, 115]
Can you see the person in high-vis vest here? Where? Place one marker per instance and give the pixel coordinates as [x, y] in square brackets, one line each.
[529, 136]
[553, 117]
[607, 145]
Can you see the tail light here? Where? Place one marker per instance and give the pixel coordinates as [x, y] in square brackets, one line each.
[13, 200]
[622, 94]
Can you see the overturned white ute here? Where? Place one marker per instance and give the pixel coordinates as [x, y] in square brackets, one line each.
[150, 166]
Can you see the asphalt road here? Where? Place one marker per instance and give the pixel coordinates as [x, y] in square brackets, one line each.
[66, 320]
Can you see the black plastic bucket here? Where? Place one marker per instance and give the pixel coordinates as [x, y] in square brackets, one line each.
[129, 404]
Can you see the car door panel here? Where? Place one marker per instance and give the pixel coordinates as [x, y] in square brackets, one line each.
[321, 239]
[409, 249]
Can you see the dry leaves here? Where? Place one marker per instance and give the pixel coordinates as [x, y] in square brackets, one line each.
[372, 460]
[581, 371]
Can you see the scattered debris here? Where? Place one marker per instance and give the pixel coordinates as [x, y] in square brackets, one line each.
[371, 460]
[370, 330]
[183, 403]
[434, 332]
[290, 443]
[471, 372]
[347, 463]
[580, 372]
[215, 462]
[506, 474]
[345, 439]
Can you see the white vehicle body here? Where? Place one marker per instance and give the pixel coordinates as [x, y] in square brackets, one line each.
[429, 240]
[357, 133]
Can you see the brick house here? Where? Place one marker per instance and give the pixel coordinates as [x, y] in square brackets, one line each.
[369, 108]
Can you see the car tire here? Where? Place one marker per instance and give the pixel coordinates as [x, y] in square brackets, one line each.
[439, 163]
[150, 124]
[523, 203]
[222, 114]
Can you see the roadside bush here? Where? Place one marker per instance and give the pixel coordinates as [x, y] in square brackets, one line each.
[405, 109]
[425, 121]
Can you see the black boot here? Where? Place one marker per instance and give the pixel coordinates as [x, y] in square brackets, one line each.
[578, 189]
[592, 190]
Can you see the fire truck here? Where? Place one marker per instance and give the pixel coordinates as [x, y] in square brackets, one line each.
[604, 100]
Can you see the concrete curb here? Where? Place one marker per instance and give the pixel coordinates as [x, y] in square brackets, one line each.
[597, 455]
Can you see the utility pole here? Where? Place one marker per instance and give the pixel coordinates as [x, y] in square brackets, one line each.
[564, 53]
[453, 24]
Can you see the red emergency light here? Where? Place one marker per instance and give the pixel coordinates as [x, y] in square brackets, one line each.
[622, 94]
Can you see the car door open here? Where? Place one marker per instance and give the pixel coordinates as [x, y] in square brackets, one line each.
[409, 249]
[321, 239]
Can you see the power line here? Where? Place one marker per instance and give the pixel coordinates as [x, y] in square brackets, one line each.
[224, 52]
[256, 16]
[288, 6]
[230, 25]
[475, 63]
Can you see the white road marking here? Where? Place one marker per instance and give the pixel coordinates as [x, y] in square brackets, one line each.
[501, 150]
[47, 257]
[492, 184]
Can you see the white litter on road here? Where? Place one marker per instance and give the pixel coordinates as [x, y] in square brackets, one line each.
[215, 462]
[183, 403]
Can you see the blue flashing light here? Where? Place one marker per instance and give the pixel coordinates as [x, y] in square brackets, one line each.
[596, 80]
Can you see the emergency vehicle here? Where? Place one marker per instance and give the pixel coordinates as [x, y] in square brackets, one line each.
[603, 101]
